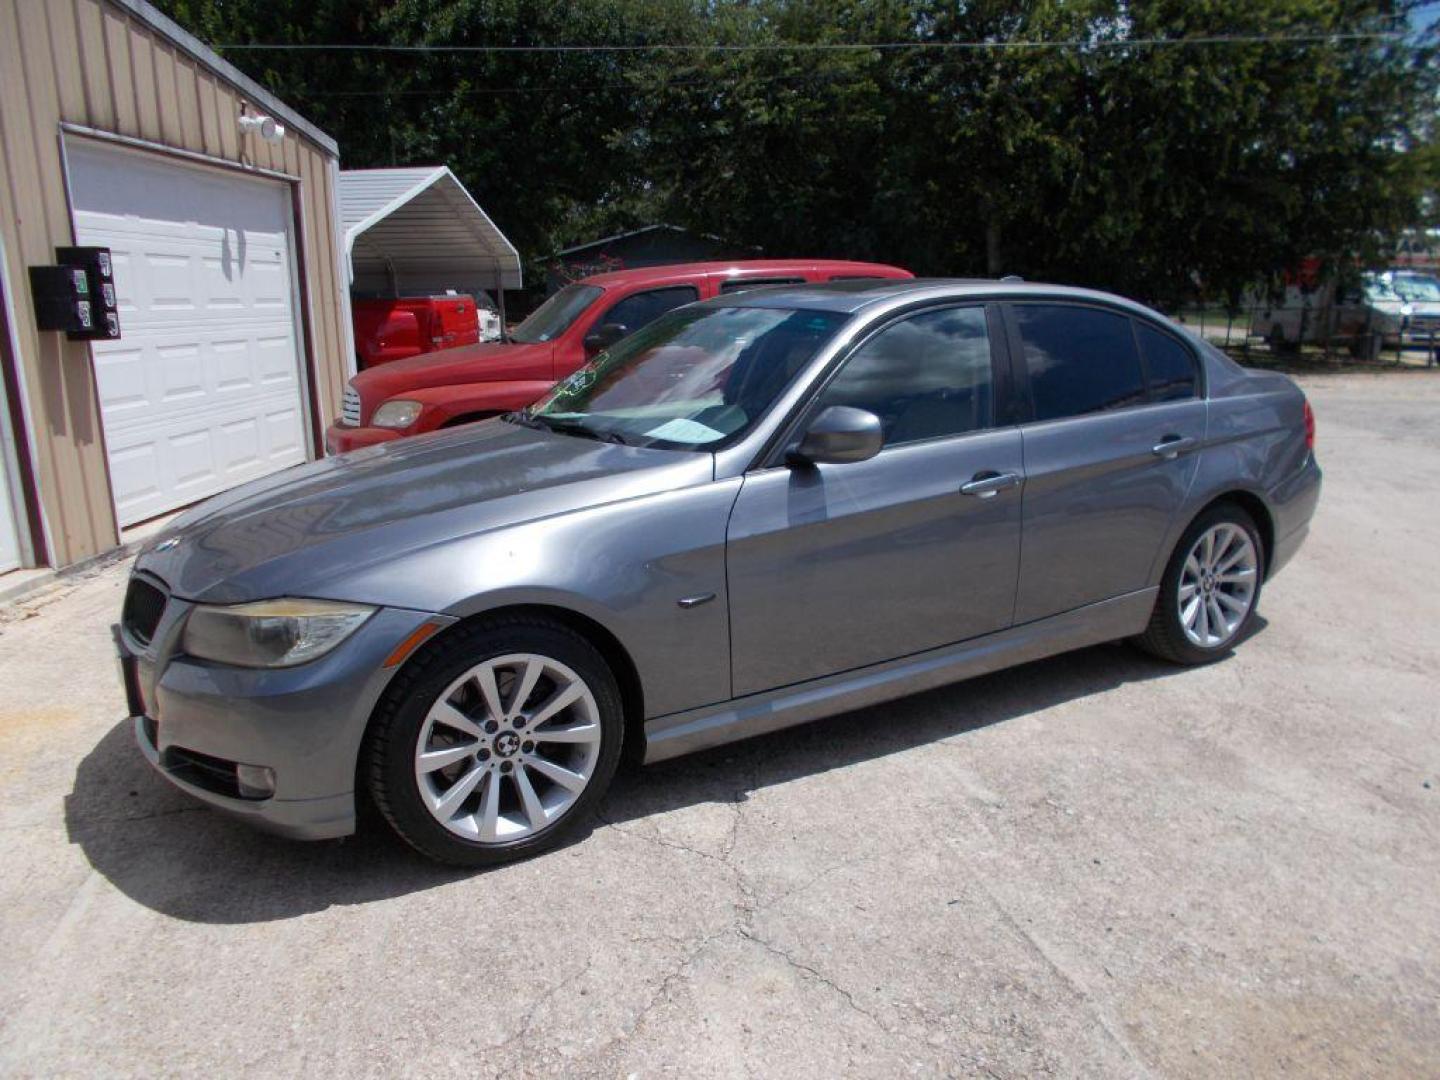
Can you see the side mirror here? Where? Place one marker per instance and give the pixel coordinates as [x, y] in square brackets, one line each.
[602, 337]
[838, 436]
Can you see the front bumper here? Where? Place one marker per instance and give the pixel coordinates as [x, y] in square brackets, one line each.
[195, 719]
[340, 438]
[297, 819]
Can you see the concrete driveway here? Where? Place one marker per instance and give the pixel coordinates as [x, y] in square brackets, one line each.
[1093, 865]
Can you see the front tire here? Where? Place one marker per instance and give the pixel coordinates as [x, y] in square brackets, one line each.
[493, 745]
[1210, 589]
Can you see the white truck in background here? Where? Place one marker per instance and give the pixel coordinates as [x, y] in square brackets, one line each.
[1387, 310]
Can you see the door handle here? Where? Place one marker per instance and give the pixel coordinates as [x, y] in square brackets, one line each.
[1172, 446]
[986, 485]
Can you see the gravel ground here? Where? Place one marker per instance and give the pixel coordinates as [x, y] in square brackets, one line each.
[1092, 865]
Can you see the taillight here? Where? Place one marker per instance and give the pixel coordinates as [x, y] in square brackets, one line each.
[1309, 426]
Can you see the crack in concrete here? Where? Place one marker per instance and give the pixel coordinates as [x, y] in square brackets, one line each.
[660, 841]
[529, 1022]
[742, 925]
[1078, 988]
[816, 974]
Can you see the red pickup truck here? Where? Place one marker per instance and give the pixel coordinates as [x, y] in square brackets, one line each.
[457, 386]
[393, 329]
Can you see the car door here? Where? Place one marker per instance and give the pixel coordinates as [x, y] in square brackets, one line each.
[1109, 452]
[640, 309]
[630, 313]
[834, 567]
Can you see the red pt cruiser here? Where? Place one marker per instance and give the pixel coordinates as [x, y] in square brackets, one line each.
[457, 386]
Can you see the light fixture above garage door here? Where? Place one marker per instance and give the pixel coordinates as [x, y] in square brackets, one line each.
[267, 127]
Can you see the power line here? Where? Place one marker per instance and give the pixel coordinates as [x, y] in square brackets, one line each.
[882, 46]
[551, 88]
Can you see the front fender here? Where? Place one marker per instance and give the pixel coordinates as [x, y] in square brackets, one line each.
[441, 405]
[626, 565]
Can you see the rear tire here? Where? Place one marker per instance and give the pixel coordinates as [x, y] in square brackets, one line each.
[457, 758]
[1208, 596]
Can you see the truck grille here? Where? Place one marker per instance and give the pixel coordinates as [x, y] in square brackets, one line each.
[144, 604]
[350, 408]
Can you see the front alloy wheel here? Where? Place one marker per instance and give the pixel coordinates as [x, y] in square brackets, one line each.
[508, 748]
[492, 742]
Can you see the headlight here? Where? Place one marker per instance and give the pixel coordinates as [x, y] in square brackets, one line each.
[271, 633]
[396, 414]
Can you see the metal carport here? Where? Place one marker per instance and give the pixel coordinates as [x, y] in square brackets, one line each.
[416, 231]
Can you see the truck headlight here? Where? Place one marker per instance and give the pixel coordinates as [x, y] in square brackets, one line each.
[396, 414]
[271, 633]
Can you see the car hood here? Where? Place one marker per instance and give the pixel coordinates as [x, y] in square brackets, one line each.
[303, 531]
[491, 361]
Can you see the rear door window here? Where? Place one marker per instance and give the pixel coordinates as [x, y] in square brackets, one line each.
[642, 308]
[1170, 364]
[1080, 360]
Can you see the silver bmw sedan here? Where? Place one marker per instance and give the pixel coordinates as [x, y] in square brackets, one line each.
[757, 511]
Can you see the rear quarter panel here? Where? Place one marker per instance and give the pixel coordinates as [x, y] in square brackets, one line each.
[1255, 444]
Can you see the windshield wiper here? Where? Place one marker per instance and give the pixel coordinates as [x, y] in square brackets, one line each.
[573, 427]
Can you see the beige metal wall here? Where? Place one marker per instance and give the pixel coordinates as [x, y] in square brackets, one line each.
[100, 65]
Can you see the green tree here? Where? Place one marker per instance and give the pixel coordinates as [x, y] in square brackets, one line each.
[1104, 142]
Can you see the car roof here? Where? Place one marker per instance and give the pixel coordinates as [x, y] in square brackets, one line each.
[682, 272]
[850, 297]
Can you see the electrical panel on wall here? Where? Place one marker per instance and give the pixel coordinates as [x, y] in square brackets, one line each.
[78, 295]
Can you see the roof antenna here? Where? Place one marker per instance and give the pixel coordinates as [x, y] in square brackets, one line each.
[1012, 279]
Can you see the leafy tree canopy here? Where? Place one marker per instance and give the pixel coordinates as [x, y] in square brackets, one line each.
[1154, 170]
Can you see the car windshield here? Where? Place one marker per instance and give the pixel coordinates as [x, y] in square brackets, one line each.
[698, 378]
[1379, 289]
[1417, 287]
[556, 315]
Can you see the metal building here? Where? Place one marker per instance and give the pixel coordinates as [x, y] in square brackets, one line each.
[119, 130]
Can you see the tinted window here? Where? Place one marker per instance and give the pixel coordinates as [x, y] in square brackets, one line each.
[645, 307]
[735, 285]
[925, 377]
[556, 315]
[1170, 364]
[1080, 360]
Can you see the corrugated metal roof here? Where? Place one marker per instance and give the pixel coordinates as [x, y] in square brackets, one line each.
[422, 221]
[162, 24]
[660, 227]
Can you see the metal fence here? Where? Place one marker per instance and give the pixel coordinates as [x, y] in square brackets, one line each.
[1308, 333]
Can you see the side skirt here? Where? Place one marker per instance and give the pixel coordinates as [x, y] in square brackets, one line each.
[712, 725]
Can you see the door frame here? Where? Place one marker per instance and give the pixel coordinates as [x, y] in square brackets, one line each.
[292, 188]
[18, 453]
[1024, 403]
[1002, 379]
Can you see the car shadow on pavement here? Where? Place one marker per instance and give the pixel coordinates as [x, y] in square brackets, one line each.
[166, 851]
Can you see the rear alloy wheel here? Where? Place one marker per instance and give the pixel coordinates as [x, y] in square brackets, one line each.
[1210, 588]
[492, 745]
[1217, 585]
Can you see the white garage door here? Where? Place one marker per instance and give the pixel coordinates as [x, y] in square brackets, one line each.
[203, 390]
